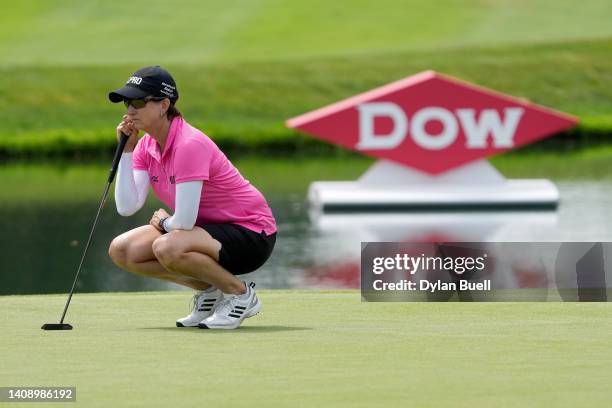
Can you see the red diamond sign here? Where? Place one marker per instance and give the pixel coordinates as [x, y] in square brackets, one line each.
[432, 122]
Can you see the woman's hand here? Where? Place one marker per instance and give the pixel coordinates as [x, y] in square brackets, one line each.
[126, 126]
[158, 215]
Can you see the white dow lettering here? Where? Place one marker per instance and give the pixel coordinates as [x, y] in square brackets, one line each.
[368, 112]
[476, 127]
[490, 123]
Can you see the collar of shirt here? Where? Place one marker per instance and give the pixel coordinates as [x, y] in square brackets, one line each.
[153, 148]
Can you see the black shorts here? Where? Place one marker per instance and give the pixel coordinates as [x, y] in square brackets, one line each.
[242, 250]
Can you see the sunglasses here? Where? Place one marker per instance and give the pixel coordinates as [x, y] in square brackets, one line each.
[140, 103]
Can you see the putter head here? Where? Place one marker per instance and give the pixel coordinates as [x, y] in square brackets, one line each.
[56, 326]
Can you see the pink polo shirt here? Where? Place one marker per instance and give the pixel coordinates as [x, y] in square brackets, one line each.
[190, 155]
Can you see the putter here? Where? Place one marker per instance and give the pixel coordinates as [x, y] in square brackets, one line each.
[65, 326]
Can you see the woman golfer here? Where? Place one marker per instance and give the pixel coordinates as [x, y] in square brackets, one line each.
[221, 226]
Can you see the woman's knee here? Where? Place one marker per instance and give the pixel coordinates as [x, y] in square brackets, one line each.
[172, 253]
[125, 253]
[118, 251]
[166, 251]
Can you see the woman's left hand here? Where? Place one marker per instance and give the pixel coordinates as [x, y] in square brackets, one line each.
[158, 215]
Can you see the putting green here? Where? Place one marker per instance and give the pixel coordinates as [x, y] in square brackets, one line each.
[311, 348]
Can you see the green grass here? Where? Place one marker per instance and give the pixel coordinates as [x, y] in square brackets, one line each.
[71, 32]
[244, 67]
[312, 348]
[56, 109]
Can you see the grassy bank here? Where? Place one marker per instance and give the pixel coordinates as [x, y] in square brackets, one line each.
[260, 64]
[243, 106]
[318, 348]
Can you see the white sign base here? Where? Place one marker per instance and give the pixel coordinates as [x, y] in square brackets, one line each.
[387, 186]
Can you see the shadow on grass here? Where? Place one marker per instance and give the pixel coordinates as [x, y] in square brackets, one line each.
[249, 329]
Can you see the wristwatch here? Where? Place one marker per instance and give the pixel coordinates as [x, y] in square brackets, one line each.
[161, 225]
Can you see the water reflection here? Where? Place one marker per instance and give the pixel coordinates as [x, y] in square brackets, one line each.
[42, 242]
[345, 229]
[506, 271]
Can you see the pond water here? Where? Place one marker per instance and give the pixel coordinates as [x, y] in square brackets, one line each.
[45, 225]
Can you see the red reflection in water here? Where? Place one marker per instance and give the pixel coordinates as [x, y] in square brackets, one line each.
[339, 275]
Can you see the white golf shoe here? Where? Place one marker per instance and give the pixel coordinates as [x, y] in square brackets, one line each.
[233, 310]
[203, 306]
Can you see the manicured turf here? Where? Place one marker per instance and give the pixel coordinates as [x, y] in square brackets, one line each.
[69, 32]
[243, 68]
[312, 348]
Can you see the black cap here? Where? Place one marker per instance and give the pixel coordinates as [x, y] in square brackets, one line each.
[149, 81]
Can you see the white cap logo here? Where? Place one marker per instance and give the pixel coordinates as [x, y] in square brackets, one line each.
[134, 80]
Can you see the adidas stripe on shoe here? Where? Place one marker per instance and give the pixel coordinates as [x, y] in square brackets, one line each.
[203, 306]
[233, 310]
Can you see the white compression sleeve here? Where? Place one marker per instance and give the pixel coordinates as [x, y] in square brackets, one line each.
[131, 187]
[187, 204]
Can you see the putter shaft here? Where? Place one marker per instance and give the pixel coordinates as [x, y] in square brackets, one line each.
[111, 176]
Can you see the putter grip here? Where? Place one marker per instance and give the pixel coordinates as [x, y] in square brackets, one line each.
[118, 152]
